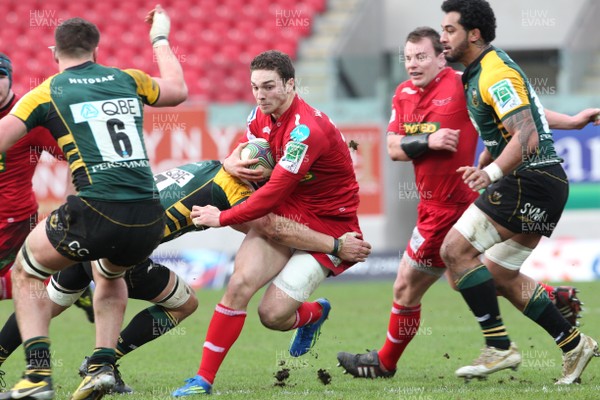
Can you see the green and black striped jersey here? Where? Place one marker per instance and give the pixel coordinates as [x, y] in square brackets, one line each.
[196, 184]
[95, 113]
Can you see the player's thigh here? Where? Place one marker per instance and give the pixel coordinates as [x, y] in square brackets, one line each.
[39, 250]
[473, 233]
[296, 282]
[504, 260]
[258, 260]
[12, 237]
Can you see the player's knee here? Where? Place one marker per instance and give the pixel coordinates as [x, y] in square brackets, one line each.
[27, 265]
[272, 318]
[448, 253]
[239, 291]
[400, 287]
[189, 307]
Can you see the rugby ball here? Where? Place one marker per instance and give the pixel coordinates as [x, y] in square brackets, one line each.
[258, 148]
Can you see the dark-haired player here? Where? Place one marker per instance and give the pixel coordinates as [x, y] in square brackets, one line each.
[525, 193]
[95, 113]
[313, 183]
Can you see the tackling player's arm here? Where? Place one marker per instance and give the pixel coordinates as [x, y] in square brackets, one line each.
[348, 247]
[173, 89]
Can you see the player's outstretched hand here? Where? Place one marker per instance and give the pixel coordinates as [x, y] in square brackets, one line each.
[161, 25]
[444, 139]
[239, 168]
[353, 248]
[205, 216]
[585, 117]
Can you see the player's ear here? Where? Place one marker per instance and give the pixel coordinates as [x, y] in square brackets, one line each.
[95, 54]
[474, 35]
[441, 60]
[289, 85]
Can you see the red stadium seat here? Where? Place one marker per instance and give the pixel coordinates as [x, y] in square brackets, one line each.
[215, 40]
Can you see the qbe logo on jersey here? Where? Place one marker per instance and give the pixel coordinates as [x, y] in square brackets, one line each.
[112, 123]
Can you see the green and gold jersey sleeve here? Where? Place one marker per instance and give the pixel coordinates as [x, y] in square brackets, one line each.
[33, 108]
[495, 89]
[147, 88]
[502, 87]
[236, 191]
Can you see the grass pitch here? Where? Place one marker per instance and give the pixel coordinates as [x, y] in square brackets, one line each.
[448, 338]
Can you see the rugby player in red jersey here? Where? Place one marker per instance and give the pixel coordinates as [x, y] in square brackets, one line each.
[18, 208]
[313, 184]
[430, 126]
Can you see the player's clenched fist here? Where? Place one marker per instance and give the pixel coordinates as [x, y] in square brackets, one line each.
[161, 26]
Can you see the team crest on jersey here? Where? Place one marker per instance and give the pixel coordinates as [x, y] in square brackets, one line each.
[293, 156]
[505, 96]
[494, 198]
[474, 99]
[300, 133]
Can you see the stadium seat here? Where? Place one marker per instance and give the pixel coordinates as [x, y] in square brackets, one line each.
[207, 35]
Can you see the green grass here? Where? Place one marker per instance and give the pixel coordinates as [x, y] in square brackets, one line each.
[447, 339]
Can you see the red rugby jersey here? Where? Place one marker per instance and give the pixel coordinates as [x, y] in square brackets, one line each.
[314, 171]
[17, 166]
[441, 104]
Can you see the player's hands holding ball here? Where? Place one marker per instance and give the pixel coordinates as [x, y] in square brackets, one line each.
[205, 216]
[239, 168]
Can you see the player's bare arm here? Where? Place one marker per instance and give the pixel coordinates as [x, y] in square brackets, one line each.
[349, 247]
[239, 168]
[12, 129]
[173, 89]
[444, 139]
[524, 142]
[485, 159]
[578, 121]
[400, 150]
